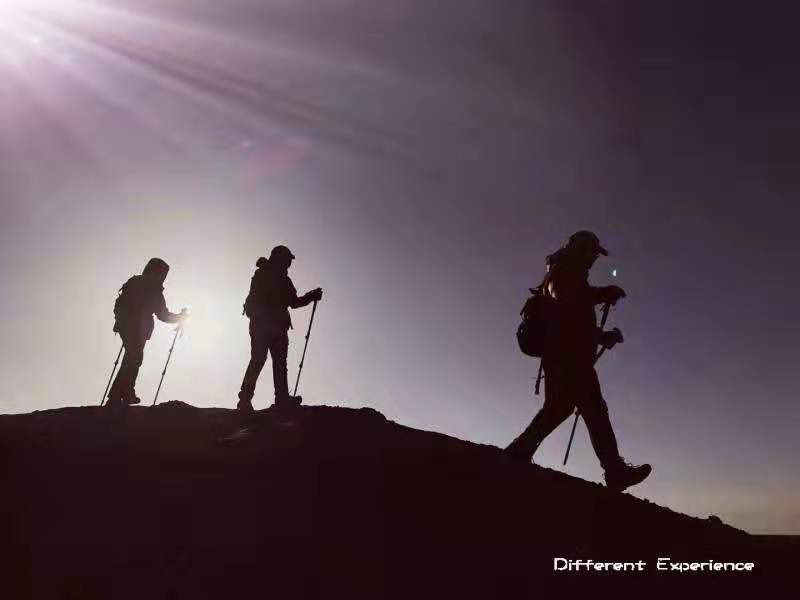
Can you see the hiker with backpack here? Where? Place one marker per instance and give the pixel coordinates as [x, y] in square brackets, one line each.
[141, 297]
[561, 327]
[272, 294]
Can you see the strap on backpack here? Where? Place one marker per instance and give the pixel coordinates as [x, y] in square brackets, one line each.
[540, 375]
[539, 378]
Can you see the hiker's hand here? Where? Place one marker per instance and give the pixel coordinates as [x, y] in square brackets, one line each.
[183, 316]
[612, 293]
[315, 295]
[609, 339]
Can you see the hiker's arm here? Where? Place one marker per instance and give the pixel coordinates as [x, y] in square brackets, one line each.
[302, 301]
[571, 287]
[163, 314]
[610, 294]
[305, 299]
[294, 301]
[575, 288]
[597, 294]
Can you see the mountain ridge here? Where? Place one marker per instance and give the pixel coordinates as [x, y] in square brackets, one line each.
[321, 502]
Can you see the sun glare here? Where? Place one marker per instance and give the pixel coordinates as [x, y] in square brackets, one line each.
[26, 26]
[33, 5]
[19, 11]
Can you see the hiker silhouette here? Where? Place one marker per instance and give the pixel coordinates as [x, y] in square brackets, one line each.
[141, 297]
[271, 295]
[568, 359]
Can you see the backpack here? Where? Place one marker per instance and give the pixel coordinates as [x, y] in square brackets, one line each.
[127, 303]
[532, 333]
[136, 300]
[250, 306]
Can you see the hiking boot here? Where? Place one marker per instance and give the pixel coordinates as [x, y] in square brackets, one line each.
[626, 475]
[132, 400]
[245, 406]
[114, 403]
[288, 401]
[115, 400]
[519, 452]
[245, 403]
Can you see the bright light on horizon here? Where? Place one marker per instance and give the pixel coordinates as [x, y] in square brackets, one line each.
[28, 26]
[38, 5]
[22, 12]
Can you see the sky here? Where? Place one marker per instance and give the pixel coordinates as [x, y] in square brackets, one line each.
[421, 159]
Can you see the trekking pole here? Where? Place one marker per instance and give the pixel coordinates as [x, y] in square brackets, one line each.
[178, 331]
[114, 370]
[606, 309]
[303, 359]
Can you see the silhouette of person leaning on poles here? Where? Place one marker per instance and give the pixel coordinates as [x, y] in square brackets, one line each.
[141, 297]
[568, 359]
[272, 294]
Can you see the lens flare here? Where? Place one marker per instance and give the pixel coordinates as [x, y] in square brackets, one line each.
[25, 22]
[19, 16]
[21, 7]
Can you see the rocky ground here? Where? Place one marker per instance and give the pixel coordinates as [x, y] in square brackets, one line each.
[325, 502]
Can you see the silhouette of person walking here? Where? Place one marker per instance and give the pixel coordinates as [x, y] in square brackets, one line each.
[271, 295]
[141, 297]
[568, 361]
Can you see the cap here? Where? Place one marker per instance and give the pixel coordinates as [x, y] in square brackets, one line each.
[587, 239]
[281, 251]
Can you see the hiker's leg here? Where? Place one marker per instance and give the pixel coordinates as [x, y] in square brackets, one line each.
[557, 407]
[594, 411]
[279, 347]
[115, 393]
[136, 349]
[129, 368]
[258, 356]
[542, 425]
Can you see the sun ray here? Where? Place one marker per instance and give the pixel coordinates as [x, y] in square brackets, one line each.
[256, 88]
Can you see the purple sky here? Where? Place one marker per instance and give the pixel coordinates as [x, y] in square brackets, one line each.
[421, 159]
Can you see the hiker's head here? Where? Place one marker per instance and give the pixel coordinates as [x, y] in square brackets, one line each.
[585, 246]
[157, 269]
[281, 257]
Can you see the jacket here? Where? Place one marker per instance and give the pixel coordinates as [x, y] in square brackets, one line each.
[140, 298]
[573, 327]
[272, 294]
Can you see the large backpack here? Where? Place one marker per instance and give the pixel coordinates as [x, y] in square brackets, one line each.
[532, 333]
[257, 289]
[128, 304]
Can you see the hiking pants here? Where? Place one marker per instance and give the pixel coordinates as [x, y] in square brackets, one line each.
[125, 382]
[265, 339]
[569, 386]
